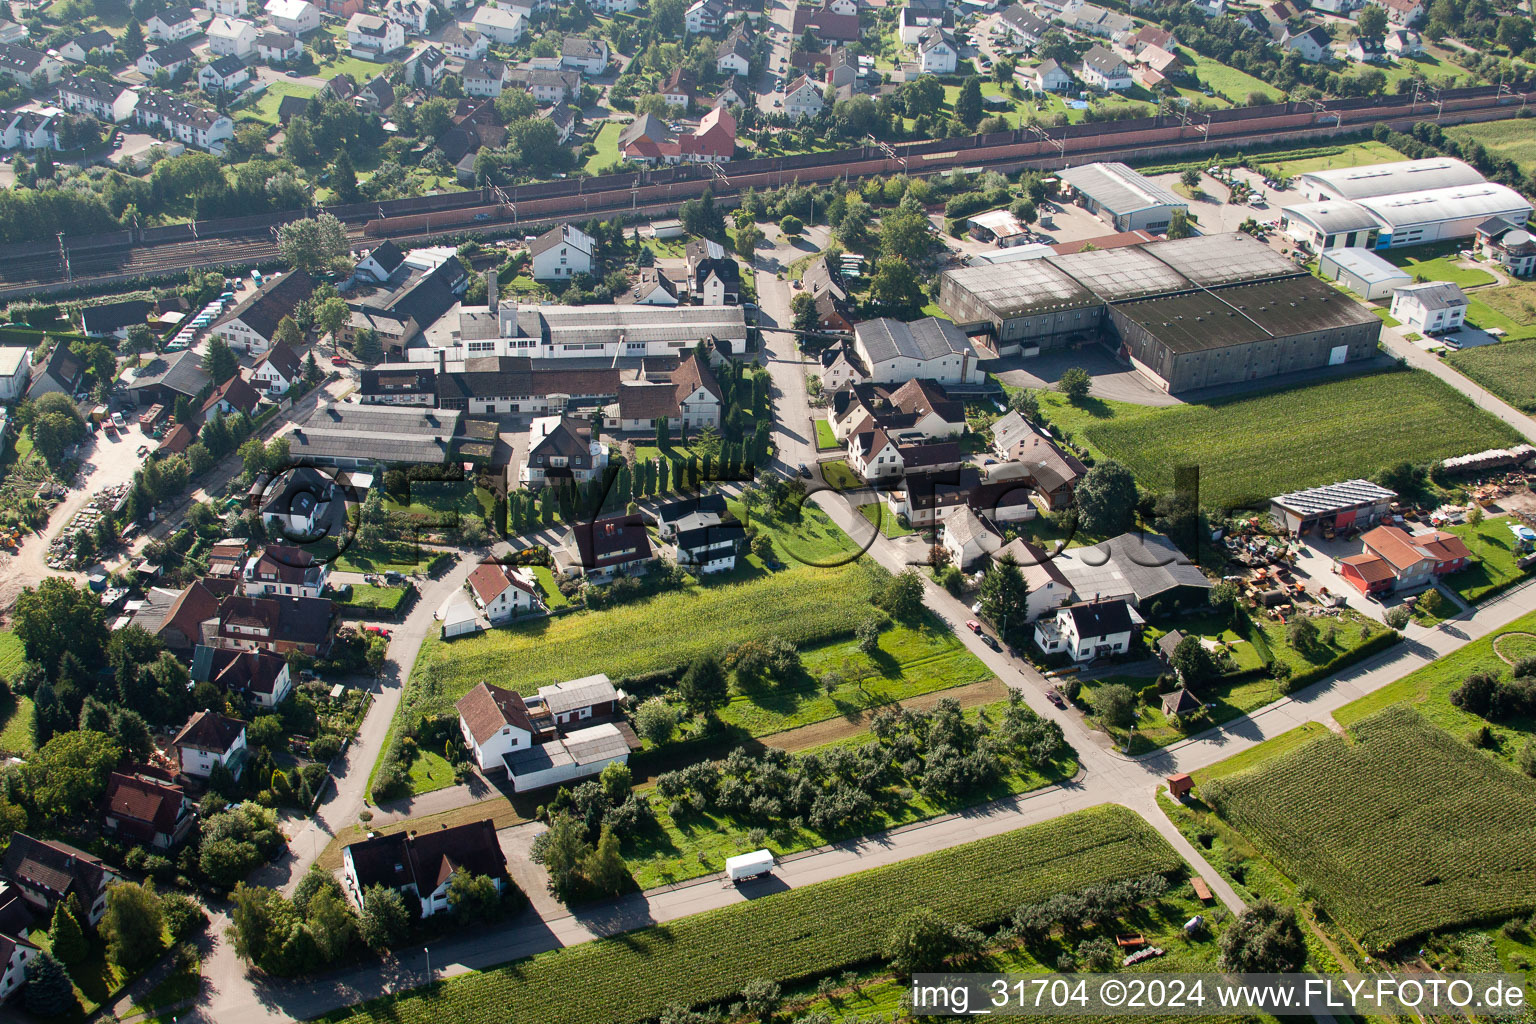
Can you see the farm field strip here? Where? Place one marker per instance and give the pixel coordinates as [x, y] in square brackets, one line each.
[789, 936]
[1403, 831]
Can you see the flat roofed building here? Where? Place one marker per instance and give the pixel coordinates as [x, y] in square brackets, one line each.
[1123, 198]
[1242, 332]
[1117, 274]
[1211, 260]
[1362, 272]
[1386, 179]
[1030, 305]
[1332, 506]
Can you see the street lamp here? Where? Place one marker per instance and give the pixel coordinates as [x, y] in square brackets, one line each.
[428, 951]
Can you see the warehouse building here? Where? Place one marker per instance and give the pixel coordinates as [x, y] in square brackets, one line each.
[1412, 218]
[1353, 183]
[1340, 506]
[1241, 332]
[1331, 224]
[1362, 272]
[353, 436]
[1026, 306]
[1122, 198]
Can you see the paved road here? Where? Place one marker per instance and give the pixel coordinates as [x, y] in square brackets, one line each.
[1416, 357]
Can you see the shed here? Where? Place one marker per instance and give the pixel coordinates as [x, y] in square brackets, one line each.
[1180, 786]
[1180, 702]
[1362, 272]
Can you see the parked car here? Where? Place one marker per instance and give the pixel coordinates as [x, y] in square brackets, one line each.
[973, 626]
[1055, 698]
[338, 361]
[990, 641]
[805, 470]
[143, 451]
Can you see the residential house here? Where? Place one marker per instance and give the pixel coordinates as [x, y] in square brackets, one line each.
[278, 47]
[276, 370]
[293, 16]
[262, 677]
[380, 264]
[64, 372]
[283, 570]
[1314, 44]
[1429, 307]
[463, 43]
[1052, 471]
[234, 395]
[226, 74]
[377, 95]
[503, 593]
[588, 56]
[1366, 48]
[1155, 66]
[484, 78]
[251, 326]
[399, 384]
[1093, 20]
[105, 101]
[28, 68]
[411, 15]
[612, 7]
[230, 8]
[834, 21]
[563, 117]
[170, 58]
[734, 54]
[113, 319]
[15, 951]
[425, 68]
[1022, 25]
[1049, 587]
[918, 408]
[834, 310]
[1406, 13]
[176, 618]
[602, 548]
[560, 449]
[926, 497]
[691, 400]
[1403, 42]
[578, 754]
[1511, 245]
[802, 98]
[1151, 35]
[79, 49]
[502, 27]
[372, 37]
[146, 806]
[561, 253]
[650, 140]
[298, 502]
[166, 379]
[232, 37]
[670, 517]
[46, 871]
[1103, 69]
[577, 700]
[202, 127]
[931, 348]
[30, 129]
[1050, 77]
[652, 287]
[838, 369]
[937, 53]
[714, 277]
[1147, 570]
[422, 864]
[917, 16]
[704, 540]
[171, 25]
[878, 455]
[705, 17]
[968, 538]
[495, 722]
[546, 84]
[283, 625]
[1087, 630]
[1395, 560]
[210, 739]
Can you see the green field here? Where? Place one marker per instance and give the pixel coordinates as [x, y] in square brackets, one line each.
[911, 661]
[15, 714]
[1493, 545]
[1225, 81]
[1441, 268]
[1428, 690]
[607, 142]
[1400, 831]
[1513, 139]
[265, 108]
[1251, 448]
[1508, 370]
[790, 936]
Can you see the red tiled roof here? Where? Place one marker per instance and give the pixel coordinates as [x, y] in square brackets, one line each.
[1372, 568]
[145, 801]
[491, 579]
[486, 709]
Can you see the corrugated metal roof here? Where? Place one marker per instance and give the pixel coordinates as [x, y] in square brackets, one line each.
[1333, 216]
[1334, 497]
[1117, 188]
[1487, 199]
[1366, 265]
[1392, 178]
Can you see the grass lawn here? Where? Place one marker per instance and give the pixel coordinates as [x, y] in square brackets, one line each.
[15, 713]
[1441, 268]
[1428, 691]
[1480, 314]
[1226, 81]
[1512, 139]
[840, 477]
[430, 772]
[265, 108]
[363, 71]
[433, 497]
[401, 557]
[174, 989]
[1250, 448]
[879, 515]
[825, 438]
[1507, 369]
[366, 598]
[799, 934]
[911, 661]
[1516, 300]
[1493, 545]
[1262, 752]
[552, 596]
[607, 142]
[1352, 155]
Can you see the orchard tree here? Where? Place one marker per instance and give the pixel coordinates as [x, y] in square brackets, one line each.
[924, 943]
[1075, 383]
[1115, 704]
[1265, 939]
[704, 688]
[1194, 663]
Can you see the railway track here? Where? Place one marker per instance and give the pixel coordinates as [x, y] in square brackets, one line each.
[250, 241]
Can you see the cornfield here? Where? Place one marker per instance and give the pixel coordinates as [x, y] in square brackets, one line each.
[1404, 831]
[794, 935]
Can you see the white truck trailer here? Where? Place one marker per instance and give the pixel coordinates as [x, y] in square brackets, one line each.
[748, 865]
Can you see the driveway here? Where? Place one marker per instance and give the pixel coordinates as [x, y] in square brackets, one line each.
[1112, 380]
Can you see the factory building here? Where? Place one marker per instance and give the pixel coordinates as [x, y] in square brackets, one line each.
[1025, 307]
[1122, 198]
[1387, 206]
[1241, 332]
[1364, 273]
